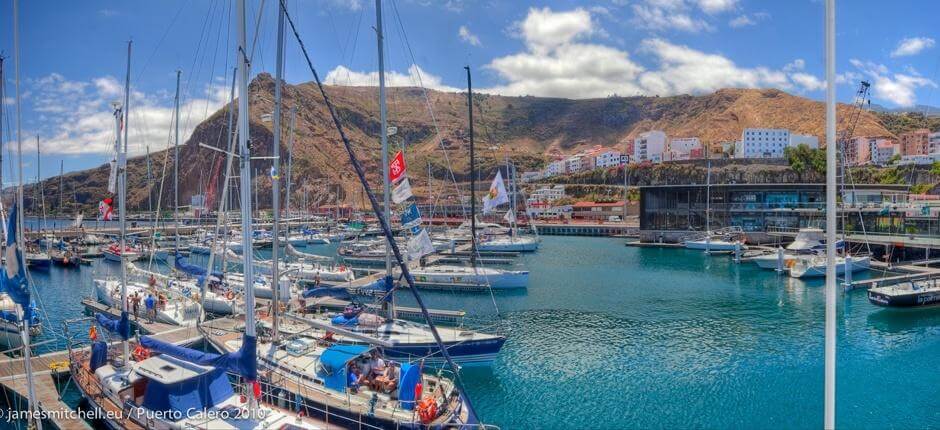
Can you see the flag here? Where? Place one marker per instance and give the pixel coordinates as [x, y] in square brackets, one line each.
[410, 217]
[396, 169]
[401, 192]
[112, 177]
[105, 209]
[497, 194]
[274, 174]
[415, 230]
[13, 276]
[420, 245]
[510, 216]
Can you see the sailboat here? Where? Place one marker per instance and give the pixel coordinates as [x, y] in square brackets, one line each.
[167, 386]
[723, 240]
[514, 241]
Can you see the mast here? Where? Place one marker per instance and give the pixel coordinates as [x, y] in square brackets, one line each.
[383, 133]
[708, 205]
[275, 175]
[61, 172]
[176, 163]
[245, 190]
[830, 348]
[122, 188]
[473, 176]
[24, 325]
[220, 226]
[149, 184]
[290, 160]
[2, 84]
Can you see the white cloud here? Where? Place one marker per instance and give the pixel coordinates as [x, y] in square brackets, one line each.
[568, 66]
[467, 36]
[76, 116]
[741, 21]
[543, 28]
[797, 64]
[342, 75]
[912, 46]
[897, 88]
[808, 82]
[664, 15]
[353, 5]
[716, 6]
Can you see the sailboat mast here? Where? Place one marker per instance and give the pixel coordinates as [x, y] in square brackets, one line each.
[176, 163]
[290, 160]
[149, 184]
[61, 172]
[122, 191]
[245, 189]
[221, 222]
[275, 174]
[24, 325]
[383, 132]
[830, 344]
[2, 84]
[473, 175]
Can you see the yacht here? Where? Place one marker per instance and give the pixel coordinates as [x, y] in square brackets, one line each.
[511, 243]
[815, 265]
[114, 253]
[906, 295]
[808, 240]
[464, 277]
[177, 309]
[714, 242]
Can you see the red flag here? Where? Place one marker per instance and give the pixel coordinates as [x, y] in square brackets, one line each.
[397, 167]
[105, 209]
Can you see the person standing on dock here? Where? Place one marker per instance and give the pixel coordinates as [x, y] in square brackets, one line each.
[135, 305]
[151, 304]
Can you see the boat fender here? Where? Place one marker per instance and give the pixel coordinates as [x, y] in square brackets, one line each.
[141, 353]
[427, 410]
[93, 333]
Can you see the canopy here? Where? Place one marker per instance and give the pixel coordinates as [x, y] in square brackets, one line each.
[410, 377]
[99, 355]
[242, 362]
[179, 399]
[333, 363]
[121, 327]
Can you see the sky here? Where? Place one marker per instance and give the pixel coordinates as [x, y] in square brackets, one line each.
[74, 56]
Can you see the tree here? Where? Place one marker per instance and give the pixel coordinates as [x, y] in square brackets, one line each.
[802, 158]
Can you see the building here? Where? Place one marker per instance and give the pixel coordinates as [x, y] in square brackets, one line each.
[670, 212]
[555, 168]
[882, 151]
[919, 160]
[596, 211]
[933, 142]
[858, 151]
[624, 159]
[546, 194]
[532, 176]
[649, 146]
[607, 158]
[915, 142]
[762, 143]
[573, 164]
[548, 211]
[683, 147]
[804, 139]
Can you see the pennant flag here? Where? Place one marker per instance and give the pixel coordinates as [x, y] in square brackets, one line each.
[410, 217]
[396, 169]
[497, 194]
[112, 177]
[13, 275]
[105, 209]
[274, 174]
[510, 216]
[402, 191]
[420, 245]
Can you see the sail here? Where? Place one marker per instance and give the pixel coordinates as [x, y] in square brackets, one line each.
[242, 362]
[121, 327]
[13, 276]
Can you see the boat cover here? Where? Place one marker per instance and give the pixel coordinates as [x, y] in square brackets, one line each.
[242, 362]
[337, 292]
[121, 327]
[182, 264]
[99, 355]
[333, 363]
[180, 399]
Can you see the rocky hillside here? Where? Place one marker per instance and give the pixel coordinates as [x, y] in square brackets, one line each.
[529, 130]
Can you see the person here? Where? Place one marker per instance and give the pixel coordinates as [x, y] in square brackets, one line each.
[135, 304]
[151, 304]
[377, 367]
[152, 281]
[388, 381]
[354, 375]
[302, 304]
[316, 280]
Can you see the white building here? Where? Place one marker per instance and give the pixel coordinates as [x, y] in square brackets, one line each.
[532, 176]
[762, 143]
[555, 168]
[607, 158]
[933, 142]
[547, 194]
[882, 150]
[649, 146]
[918, 159]
[804, 139]
[573, 164]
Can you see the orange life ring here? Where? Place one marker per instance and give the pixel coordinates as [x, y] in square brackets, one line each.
[230, 295]
[427, 410]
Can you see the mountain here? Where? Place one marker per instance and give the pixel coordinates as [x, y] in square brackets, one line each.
[529, 130]
[926, 110]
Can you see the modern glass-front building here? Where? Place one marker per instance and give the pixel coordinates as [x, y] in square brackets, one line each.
[668, 211]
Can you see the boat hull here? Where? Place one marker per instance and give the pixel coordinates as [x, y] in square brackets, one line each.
[819, 270]
[912, 300]
[714, 245]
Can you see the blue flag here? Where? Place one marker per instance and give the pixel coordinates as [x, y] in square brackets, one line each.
[13, 274]
[410, 217]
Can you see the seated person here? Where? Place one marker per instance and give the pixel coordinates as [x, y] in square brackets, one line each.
[388, 381]
[365, 374]
[377, 367]
[352, 380]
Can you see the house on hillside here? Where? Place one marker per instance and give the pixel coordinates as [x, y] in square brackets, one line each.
[650, 146]
[915, 142]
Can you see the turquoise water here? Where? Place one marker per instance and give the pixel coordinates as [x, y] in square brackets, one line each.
[608, 336]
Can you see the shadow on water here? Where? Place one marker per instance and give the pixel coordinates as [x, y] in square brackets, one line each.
[904, 320]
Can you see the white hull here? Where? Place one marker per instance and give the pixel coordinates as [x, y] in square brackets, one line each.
[178, 311]
[816, 266]
[318, 240]
[114, 257]
[458, 276]
[510, 244]
[713, 245]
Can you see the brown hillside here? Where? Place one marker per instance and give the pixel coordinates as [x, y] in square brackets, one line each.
[530, 130]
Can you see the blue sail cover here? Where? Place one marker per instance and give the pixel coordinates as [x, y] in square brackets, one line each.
[242, 362]
[183, 265]
[99, 355]
[337, 292]
[121, 327]
[410, 376]
[13, 275]
[179, 399]
[333, 364]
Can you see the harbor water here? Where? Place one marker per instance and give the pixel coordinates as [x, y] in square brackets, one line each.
[608, 336]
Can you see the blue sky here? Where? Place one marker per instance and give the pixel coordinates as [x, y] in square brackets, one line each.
[74, 55]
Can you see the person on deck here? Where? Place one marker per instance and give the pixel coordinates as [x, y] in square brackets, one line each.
[377, 371]
[354, 375]
[135, 304]
[388, 382]
[151, 304]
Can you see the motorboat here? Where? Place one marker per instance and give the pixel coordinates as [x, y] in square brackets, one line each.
[713, 242]
[815, 265]
[808, 240]
[115, 254]
[906, 295]
[511, 243]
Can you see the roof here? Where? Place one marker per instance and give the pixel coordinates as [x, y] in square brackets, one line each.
[596, 204]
